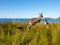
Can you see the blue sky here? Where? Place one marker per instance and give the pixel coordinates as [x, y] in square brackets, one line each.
[29, 8]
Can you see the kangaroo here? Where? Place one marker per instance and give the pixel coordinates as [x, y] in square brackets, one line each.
[33, 21]
[46, 23]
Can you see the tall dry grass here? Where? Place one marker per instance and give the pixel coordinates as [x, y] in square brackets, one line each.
[38, 34]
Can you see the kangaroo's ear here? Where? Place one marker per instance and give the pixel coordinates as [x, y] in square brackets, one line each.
[41, 14]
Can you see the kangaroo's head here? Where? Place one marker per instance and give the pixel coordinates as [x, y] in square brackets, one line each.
[40, 15]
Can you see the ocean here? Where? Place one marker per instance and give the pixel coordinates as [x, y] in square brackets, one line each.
[25, 20]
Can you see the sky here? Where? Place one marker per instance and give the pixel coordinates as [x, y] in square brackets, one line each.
[29, 8]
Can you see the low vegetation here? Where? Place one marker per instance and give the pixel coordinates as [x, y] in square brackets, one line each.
[38, 34]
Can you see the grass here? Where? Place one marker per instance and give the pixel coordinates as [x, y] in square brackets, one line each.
[38, 34]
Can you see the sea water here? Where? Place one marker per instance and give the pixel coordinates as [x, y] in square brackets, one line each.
[25, 20]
